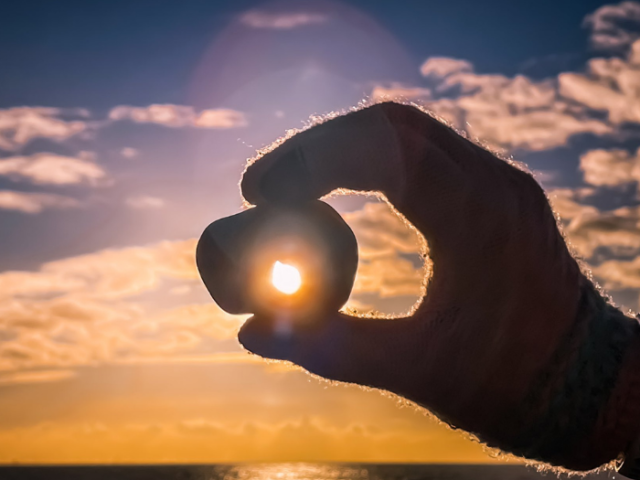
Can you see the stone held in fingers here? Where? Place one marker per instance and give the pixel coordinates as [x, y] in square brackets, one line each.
[286, 261]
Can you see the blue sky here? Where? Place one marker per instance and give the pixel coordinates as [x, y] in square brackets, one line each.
[97, 54]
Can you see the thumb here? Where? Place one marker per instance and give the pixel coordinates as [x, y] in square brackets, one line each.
[350, 349]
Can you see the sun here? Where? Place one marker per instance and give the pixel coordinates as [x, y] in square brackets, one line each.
[286, 278]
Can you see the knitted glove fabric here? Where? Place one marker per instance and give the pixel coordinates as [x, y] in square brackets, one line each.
[512, 342]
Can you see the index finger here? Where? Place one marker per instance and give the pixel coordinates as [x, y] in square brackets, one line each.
[359, 151]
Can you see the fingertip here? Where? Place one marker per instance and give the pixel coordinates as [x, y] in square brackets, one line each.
[277, 177]
[252, 335]
[264, 338]
[316, 345]
[288, 178]
[249, 184]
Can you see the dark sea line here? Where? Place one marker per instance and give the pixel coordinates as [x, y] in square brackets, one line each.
[284, 471]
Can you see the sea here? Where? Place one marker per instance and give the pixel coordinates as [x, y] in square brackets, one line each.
[288, 471]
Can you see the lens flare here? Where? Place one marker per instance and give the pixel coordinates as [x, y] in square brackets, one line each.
[286, 278]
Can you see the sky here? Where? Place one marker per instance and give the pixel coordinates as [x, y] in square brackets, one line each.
[124, 130]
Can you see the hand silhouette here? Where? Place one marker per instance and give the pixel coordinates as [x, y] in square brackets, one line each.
[511, 343]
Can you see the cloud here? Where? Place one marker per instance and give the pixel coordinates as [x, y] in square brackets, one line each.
[614, 27]
[73, 331]
[382, 237]
[20, 125]
[380, 231]
[281, 20]
[619, 274]
[167, 115]
[309, 442]
[587, 228]
[117, 305]
[220, 118]
[145, 202]
[502, 112]
[442, 67]
[123, 272]
[521, 113]
[390, 276]
[207, 319]
[178, 116]
[52, 169]
[566, 203]
[610, 167]
[36, 313]
[37, 376]
[513, 112]
[609, 85]
[129, 152]
[397, 91]
[34, 202]
[225, 358]
[103, 307]
[618, 230]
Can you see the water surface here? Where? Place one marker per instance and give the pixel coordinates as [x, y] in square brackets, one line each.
[286, 471]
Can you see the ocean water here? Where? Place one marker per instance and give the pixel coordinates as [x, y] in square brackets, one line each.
[286, 471]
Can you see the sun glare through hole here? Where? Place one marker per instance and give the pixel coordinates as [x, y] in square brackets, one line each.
[286, 278]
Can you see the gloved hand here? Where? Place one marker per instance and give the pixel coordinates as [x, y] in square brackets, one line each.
[512, 343]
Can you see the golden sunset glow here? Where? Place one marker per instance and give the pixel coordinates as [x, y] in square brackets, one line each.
[286, 278]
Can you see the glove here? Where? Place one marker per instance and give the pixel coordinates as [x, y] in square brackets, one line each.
[512, 342]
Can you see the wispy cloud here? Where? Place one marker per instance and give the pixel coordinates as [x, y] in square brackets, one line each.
[382, 239]
[281, 20]
[442, 67]
[129, 152]
[86, 309]
[614, 27]
[167, 115]
[145, 202]
[618, 230]
[314, 440]
[515, 112]
[612, 167]
[619, 273]
[220, 118]
[588, 228]
[398, 91]
[20, 125]
[178, 116]
[52, 169]
[503, 112]
[381, 231]
[34, 202]
[609, 85]
[36, 376]
[567, 203]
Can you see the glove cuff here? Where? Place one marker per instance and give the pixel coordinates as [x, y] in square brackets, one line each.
[618, 423]
[587, 399]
